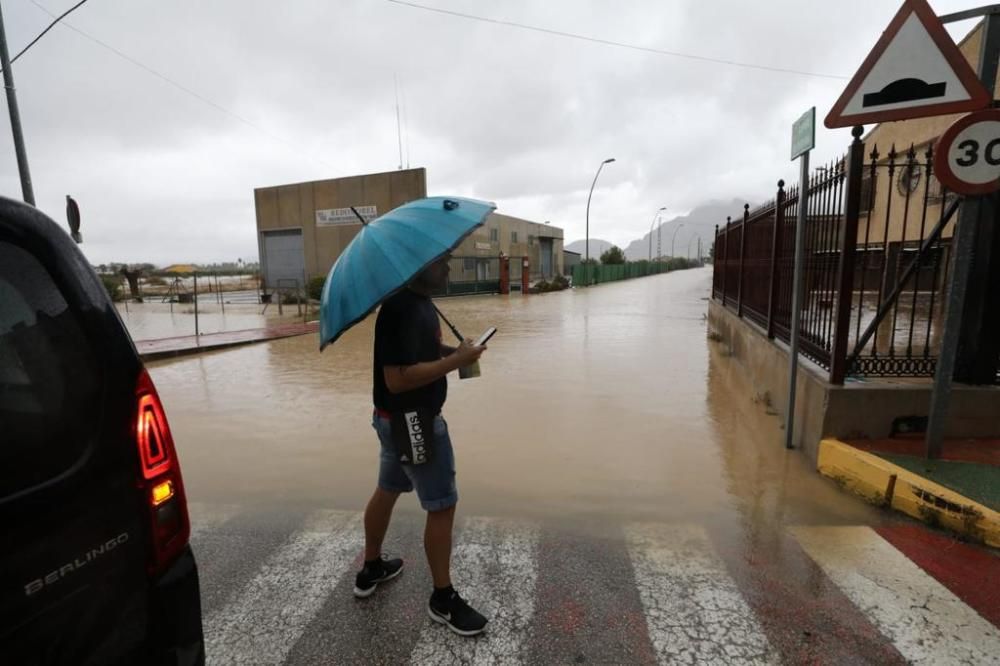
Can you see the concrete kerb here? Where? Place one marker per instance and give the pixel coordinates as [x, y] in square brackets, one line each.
[882, 483]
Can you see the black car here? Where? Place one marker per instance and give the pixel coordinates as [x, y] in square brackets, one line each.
[95, 565]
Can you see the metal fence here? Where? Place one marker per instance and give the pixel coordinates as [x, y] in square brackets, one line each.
[903, 251]
[590, 274]
[756, 254]
[473, 275]
[876, 251]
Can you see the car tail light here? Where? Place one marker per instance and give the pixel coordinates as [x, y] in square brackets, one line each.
[160, 478]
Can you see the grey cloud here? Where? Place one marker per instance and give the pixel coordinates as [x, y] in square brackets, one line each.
[515, 116]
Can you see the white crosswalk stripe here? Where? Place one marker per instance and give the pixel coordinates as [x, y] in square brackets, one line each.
[694, 611]
[493, 568]
[262, 623]
[924, 620]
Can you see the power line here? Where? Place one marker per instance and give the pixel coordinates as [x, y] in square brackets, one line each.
[608, 42]
[51, 25]
[182, 88]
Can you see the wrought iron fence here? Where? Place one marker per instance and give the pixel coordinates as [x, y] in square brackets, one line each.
[901, 264]
[876, 251]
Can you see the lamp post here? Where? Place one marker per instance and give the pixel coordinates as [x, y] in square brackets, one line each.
[673, 238]
[586, 259]
[662, 208]
[27, 191]
[698, 236]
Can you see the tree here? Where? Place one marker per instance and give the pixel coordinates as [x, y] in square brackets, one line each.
[613, 255]
[133, 281]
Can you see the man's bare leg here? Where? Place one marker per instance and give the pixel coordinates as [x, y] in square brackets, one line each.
[437, 545]
[378, 513]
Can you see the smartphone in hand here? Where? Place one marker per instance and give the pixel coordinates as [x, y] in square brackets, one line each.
[484, 338]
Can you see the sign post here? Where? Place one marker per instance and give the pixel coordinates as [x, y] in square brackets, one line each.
[803, 140]
[967, 161]
[915, 70]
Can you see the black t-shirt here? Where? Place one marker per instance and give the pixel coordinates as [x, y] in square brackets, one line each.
[407, 332]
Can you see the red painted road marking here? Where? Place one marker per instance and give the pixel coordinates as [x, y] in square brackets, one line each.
[805, 616]
[971, 573]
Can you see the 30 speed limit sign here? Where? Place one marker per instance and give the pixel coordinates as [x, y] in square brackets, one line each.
[968, 154]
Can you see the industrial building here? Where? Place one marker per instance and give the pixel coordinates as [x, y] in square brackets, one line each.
[302, 228]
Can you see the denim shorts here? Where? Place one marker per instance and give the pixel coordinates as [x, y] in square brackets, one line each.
[434, 481]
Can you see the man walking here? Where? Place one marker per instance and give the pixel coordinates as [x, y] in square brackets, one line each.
[411, 366]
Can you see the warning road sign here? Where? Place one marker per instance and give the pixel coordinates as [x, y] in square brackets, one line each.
[915, 70]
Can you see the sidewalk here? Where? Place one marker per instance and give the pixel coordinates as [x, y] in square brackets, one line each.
[151, 350]
[959, 491]
[969, 467]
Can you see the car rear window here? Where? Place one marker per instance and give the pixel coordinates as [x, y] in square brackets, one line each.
[49, 377]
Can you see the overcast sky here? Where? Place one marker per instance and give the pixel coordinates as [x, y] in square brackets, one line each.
[299, 90]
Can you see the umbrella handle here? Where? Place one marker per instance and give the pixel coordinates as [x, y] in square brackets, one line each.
[355, 211]
[450, 325]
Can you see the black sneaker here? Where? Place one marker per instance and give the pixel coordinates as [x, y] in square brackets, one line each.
[458, 615]
[375, 572]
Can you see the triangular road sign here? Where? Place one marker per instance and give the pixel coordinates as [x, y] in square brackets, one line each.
[915, 70]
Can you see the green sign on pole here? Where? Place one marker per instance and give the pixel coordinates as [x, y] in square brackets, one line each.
[804, 133]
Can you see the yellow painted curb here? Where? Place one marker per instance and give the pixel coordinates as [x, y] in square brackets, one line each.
[880, 482]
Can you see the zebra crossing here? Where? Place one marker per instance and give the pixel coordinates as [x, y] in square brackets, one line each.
[291, 596]
[694, 610]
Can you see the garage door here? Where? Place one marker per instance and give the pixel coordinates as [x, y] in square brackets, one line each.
[546, 256]
[283, 258]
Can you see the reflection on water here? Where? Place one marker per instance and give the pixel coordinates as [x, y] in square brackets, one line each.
[153, 320]
[593, 404]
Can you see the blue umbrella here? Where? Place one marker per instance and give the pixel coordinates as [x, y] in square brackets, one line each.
[388, 253]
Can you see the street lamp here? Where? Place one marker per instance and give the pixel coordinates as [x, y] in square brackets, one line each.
[662, 208]
[698, 236]
[586, 259]
[27, 191]
[673, 238]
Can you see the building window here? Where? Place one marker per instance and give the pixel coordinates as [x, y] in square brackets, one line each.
[513, 237]
[495, 235]
[470, 263]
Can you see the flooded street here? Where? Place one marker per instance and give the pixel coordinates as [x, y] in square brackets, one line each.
[623, 499]
[607, 403]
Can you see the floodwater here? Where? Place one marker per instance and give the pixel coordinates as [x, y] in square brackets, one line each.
[594, 406]
[153, 319]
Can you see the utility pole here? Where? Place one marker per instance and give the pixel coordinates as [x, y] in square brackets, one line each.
[966, 346]
[15, 118]
[978, 353]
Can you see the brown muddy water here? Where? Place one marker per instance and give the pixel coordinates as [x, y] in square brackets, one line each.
[595, 405]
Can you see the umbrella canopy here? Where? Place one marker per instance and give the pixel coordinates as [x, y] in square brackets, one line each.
[389, 252]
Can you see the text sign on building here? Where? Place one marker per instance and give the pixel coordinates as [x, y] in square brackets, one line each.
[915, 70]
[339, 216]
[484, 246]
[967, 157]
[804, 133]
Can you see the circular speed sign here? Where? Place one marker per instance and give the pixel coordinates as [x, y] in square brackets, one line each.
[967, 158]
